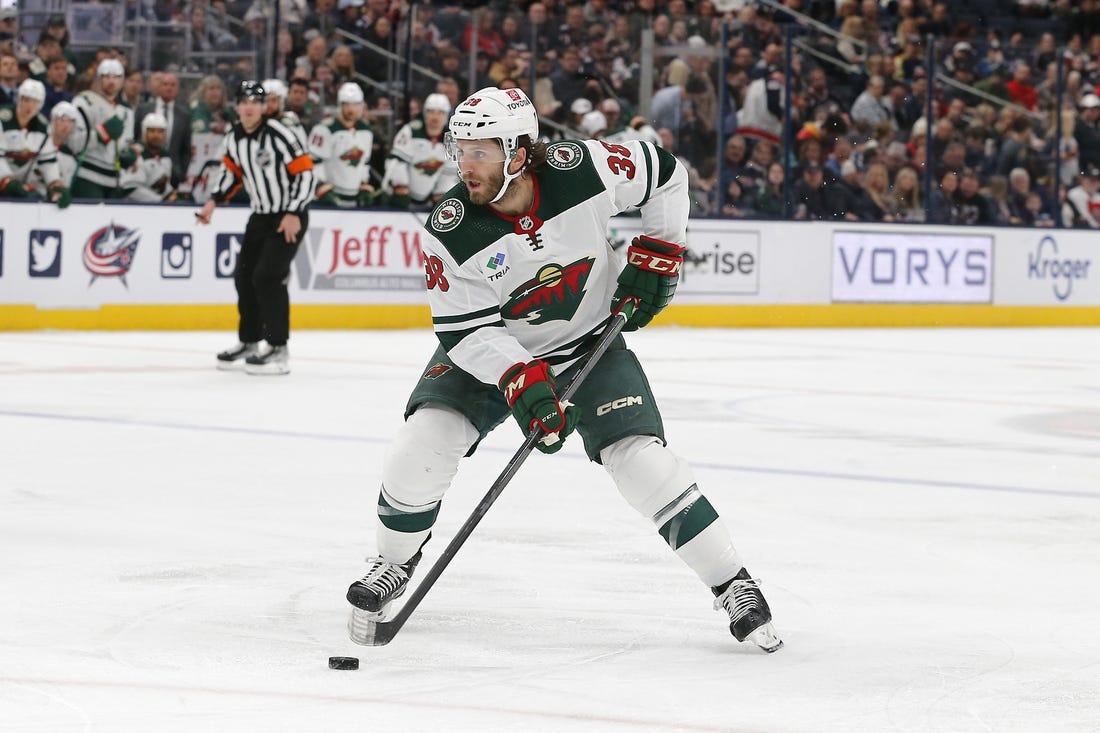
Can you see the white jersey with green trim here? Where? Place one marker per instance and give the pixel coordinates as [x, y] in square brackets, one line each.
[505, 290]
[342, 154]
[100, 164]
[419, 162]
[27, 153]
[149, 178]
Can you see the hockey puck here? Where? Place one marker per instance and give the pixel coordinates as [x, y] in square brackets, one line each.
[343, 662]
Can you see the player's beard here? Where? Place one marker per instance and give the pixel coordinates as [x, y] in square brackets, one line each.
[487, 189]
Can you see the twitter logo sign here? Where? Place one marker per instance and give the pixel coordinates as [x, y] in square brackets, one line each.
[45, 254]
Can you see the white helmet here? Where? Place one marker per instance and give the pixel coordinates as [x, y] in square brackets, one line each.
[349, 93]
[64, 109]
[275, 87]
[32, 89]
[154, 121]
[492, 113]
[437, 102]
[110, 67]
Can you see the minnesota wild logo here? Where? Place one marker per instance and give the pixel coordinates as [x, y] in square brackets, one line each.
[353, 156]
[554, 294]
[429, 166]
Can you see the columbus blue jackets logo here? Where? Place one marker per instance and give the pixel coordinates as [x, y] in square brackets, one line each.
[447, 215]
[564, 155]
[109, 252]
[554, 294]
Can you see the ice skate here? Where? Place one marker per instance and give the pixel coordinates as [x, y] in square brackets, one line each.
[234, 357]
[371, 595]
[750, 616]
[275, 360]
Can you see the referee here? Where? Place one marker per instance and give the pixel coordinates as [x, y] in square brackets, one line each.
[267, 158]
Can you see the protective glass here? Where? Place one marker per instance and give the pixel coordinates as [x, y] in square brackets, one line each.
[474, 151]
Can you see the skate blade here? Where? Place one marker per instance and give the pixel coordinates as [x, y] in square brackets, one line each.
[363, 625]
[766, 638]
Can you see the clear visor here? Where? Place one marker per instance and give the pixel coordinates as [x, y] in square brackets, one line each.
[473, 151]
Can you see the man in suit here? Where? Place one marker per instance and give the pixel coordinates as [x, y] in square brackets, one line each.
[165, 89]
[9, 77]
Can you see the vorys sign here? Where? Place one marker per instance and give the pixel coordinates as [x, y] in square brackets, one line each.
[880, 267]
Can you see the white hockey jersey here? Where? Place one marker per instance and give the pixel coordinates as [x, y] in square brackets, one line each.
[27, 153]
[505, 290]
[293, 122]
[149, 178]
[341, 156]
[419, 162]
[101, 157]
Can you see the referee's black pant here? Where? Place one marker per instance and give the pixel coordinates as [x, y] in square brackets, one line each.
[263, 270]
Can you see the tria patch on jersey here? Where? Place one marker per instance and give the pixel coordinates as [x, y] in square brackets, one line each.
[447, 215]
[564, 155]
[554, 294]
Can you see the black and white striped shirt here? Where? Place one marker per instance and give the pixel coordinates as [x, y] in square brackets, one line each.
[270, 162]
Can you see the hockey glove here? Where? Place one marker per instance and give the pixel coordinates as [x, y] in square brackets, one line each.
[12, 187]
[60, 194]
[111, 128]
[127, 157]
[529, 390]
[650, 276]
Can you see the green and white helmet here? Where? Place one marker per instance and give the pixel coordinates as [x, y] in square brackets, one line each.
[492, 113]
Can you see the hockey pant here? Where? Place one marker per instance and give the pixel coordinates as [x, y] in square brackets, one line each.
[423, 459]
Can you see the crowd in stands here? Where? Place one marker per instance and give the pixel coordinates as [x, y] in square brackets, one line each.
[1014, 135]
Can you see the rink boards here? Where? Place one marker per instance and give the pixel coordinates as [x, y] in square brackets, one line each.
[152, 267]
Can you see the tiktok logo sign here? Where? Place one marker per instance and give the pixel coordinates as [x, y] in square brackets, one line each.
[227, 247]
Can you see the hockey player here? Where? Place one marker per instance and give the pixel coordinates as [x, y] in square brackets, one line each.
[150, 177]
[28, 158]
[276, 107]
[521, 281]
[63, 119]
[341, 149]
[103, 135]
[418, 171]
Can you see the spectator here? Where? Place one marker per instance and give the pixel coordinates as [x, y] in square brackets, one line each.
[342, 63]
[1082, 204]
[57, 82]
[997, 193]
[569, 82]
[769, 201]
[1021, 89]
[369, 60]
[150, 177]
[210, 111]
[316, 55]
[876, 183]
[165, 102]
[762, 112]
[488, 37]
[1085, 131]
[814, 198]
[971, 207]
[1019, 150]
[941, 206]
[869, 109]
[299, 102]
[1068, 153]
[9, 76]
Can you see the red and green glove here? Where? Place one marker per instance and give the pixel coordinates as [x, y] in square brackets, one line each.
[529, 390]
[650, 276]
[111, 129]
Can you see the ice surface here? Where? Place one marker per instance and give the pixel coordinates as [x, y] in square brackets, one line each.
[923, 505]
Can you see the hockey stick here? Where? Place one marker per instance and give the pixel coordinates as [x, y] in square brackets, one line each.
[385, 631]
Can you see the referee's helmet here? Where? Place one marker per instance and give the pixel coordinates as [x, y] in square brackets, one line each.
[251, 89]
